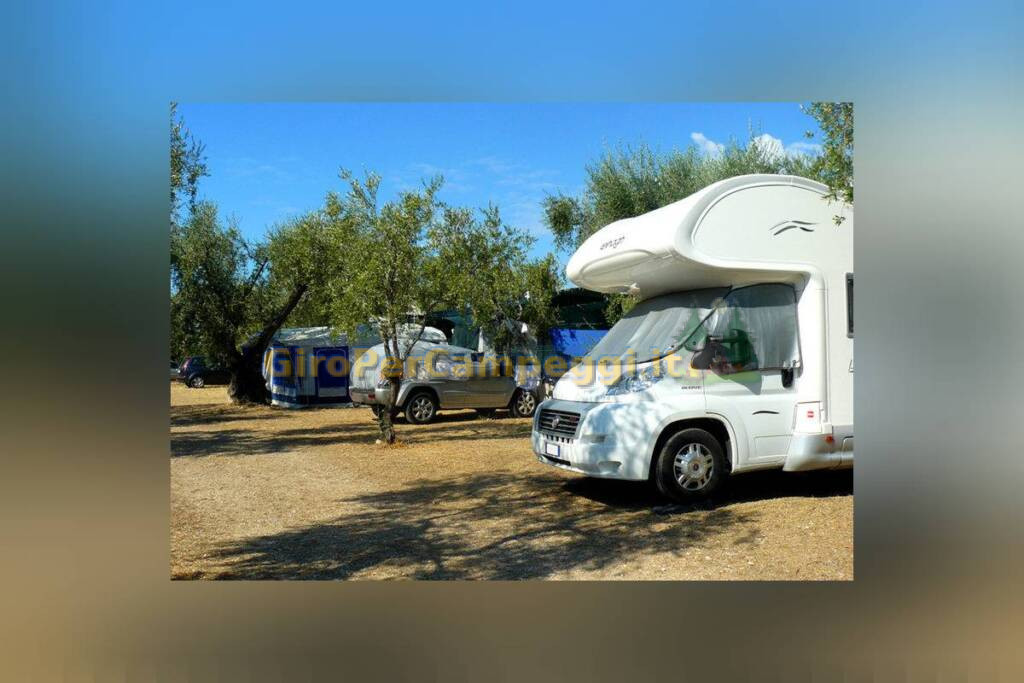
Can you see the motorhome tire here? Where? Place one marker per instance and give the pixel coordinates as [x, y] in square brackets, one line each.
[690, 466]
[421, 408]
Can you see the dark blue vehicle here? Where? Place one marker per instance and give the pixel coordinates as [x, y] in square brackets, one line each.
[195, 372]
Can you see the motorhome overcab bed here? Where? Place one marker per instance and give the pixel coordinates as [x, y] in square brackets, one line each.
[739, 354]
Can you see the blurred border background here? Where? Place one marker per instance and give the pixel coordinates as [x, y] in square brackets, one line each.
[939, 236]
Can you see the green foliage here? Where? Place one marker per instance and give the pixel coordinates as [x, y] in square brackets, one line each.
[414, 256]
[219, 286]
[188, 165]
[564, 218]
[308, 250]
[395, 256]
[834, 166]
[542, 280]
[617, 306]
[490, 276]
[225, 290]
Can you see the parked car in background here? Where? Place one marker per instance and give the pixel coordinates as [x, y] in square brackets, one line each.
[456, 380]
[183, 368]
[195, 372]
[175, 373]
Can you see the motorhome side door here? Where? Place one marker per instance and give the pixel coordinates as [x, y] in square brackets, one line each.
[761, 405]
[753, 335]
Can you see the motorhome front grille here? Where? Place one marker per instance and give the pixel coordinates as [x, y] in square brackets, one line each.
[558, 422]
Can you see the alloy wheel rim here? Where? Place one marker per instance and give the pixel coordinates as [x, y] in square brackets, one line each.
[525, 403]
[693, 466]
[422, 408]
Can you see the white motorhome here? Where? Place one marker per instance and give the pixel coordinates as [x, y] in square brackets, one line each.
[739, 354]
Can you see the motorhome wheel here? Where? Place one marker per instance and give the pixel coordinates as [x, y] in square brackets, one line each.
[690, 466]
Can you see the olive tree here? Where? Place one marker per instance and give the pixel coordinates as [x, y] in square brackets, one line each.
[229, 296]
[188, 165]
[398, 277]
[834, 166]
[412, 257]
[496, 282]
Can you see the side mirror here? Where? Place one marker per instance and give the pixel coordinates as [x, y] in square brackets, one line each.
[703, 359]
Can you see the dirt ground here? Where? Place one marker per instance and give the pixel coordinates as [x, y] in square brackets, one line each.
[268, 493]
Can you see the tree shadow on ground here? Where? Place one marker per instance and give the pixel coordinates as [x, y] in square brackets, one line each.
[486, 526]
[241, 441]
[205, 414]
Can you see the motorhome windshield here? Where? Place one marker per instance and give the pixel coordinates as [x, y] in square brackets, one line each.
[658, 326]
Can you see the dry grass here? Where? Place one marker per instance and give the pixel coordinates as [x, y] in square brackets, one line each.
[261, 492]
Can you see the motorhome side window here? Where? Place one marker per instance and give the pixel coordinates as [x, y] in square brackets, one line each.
[752, 328]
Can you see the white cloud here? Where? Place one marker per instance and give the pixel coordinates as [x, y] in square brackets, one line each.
[796, 149]
[709, 147]
[769, 144]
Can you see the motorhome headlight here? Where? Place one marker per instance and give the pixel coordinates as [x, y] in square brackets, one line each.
[641, 380]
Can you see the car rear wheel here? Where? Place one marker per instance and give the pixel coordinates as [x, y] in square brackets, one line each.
[690, 466]
[421, 408]
[197, 382]
[523, 403]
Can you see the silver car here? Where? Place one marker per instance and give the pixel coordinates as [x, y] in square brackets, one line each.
[457, 378]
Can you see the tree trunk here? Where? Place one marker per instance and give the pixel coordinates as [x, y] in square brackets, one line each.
[385, 422]
[392, 372]
[247, 383]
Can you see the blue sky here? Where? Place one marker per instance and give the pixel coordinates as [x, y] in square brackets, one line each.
[268, 162]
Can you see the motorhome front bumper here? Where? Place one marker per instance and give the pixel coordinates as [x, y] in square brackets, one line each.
[596, 439]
